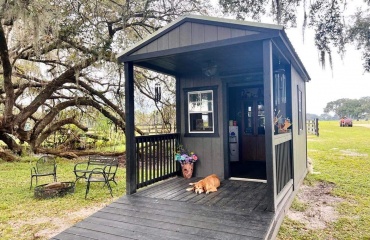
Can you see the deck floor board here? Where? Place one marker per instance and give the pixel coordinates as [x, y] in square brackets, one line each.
[167, 211]
[210, 216]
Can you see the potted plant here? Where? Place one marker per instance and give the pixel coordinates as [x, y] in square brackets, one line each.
[186, 160]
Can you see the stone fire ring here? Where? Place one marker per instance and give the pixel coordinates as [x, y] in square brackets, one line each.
[56, 189]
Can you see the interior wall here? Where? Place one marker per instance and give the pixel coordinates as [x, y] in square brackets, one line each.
[209, 149]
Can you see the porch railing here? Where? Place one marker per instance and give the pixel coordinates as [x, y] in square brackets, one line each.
[155, 158]
[283, 164]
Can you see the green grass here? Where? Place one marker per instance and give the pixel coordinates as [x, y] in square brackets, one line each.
[24, 217]
[341, 155]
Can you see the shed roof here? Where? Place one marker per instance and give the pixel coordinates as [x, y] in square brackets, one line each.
[175, 47]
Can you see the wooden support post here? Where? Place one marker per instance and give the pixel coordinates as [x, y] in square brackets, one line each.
[178, 106]
[131, 181]
[225, 127]
[269, 127]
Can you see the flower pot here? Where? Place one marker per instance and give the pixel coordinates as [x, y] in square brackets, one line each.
[187, 169]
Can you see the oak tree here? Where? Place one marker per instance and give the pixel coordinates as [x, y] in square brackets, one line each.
[334, 27]
[58, 61]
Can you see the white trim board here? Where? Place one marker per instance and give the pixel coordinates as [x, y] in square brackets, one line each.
[248, 179]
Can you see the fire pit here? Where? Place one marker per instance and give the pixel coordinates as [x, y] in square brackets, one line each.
[56, 189]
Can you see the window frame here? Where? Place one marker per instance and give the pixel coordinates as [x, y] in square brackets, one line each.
[187, 92]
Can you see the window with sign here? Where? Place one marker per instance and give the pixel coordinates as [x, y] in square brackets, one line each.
[201, 111]
[300, 111]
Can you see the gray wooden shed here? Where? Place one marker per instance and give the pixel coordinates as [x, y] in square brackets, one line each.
[227, 72]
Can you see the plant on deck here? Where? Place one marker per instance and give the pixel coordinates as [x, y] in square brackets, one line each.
[184, 156]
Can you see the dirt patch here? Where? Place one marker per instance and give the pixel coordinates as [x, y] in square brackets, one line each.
[312, 139]
[352, 153]
[363, 125]
[320, 203]
[58, 224]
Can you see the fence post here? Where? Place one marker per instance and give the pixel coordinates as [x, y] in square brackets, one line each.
[313, 126]
[316, 126]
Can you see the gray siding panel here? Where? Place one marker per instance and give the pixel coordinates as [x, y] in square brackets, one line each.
[209, 149]
[174, 38]
[191, 34]
[141, 50]
[197, 33]
[206, 164]
[185, 34]
[153, 46]
[223, 33]
[237, 33]
[163, 42]
[210, 33]
[217, 154]
[299, 141]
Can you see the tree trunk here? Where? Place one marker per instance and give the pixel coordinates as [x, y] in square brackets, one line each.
[7, 74]
[78, 152]
[9, 141]
[7, 156]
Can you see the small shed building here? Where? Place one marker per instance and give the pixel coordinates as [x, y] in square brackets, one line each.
[240, 105]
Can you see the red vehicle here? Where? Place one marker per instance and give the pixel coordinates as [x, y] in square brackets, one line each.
[345, 122]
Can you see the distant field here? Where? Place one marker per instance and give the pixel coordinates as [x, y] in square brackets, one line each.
[334, 202]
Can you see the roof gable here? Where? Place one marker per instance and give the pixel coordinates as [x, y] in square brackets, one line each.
[162, 50]
[193, 30]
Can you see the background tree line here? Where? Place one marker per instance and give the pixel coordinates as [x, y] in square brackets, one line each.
[344, 107]
[353, 108]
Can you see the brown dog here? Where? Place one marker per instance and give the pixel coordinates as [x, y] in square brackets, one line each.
[207, 185]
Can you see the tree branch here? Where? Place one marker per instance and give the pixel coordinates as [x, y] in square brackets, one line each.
[57, 126]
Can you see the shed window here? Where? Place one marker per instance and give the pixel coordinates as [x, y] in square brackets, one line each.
[300, 111]
[200, 111]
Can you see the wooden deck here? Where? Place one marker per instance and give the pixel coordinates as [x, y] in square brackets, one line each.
[166, 211]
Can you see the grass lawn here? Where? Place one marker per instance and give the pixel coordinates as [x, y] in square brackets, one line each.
[341, 159]
[23, 217]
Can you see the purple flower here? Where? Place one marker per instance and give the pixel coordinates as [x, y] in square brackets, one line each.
[183, 156]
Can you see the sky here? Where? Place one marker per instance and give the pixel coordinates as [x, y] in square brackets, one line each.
[345, 80]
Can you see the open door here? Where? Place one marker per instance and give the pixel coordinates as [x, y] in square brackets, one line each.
[249, 114]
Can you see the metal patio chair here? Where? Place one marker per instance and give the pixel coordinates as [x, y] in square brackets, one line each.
[82, 169]
[104, 174]
[45, 166]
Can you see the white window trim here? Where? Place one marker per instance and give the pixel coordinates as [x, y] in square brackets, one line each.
[213, 111]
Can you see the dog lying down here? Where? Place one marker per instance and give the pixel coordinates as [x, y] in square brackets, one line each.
[207, 185]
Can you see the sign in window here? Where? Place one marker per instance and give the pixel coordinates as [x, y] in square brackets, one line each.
[201, 112]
